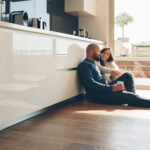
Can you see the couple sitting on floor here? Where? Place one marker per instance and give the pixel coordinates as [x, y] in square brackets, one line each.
[99, 75]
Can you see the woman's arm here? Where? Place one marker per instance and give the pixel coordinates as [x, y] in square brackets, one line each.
[115, 70]
[103, 68]
[114, 66]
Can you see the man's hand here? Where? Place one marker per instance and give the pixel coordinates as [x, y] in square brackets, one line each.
[118, 87]
[116, 73]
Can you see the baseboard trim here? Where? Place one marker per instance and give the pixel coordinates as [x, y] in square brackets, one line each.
[38, 112]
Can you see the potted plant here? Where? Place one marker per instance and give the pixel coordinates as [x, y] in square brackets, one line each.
[122, 20]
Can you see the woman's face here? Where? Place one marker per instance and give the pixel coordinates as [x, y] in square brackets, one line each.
[105, 55]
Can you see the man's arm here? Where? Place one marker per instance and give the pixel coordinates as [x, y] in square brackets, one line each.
[89, 82]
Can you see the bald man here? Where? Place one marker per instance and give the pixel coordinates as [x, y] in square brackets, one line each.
[98, 88]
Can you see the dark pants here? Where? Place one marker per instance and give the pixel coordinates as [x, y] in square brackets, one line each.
[128, 81]
[124, 97]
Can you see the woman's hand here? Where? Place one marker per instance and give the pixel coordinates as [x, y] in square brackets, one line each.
[116, 73]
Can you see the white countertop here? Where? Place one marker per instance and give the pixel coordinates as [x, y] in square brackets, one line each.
[36, 30]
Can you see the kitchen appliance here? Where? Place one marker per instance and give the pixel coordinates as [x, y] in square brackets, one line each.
[82, 32]
[38, 23]
[18, 17]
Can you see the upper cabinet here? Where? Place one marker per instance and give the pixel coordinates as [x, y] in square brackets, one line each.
[81, 7]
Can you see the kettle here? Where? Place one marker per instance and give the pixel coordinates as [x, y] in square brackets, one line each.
[82, 32]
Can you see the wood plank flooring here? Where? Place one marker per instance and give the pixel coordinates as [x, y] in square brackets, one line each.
[81, 125]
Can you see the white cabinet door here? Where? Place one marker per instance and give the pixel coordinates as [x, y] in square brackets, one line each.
[66, 85]
[68, 53]
[26, 80]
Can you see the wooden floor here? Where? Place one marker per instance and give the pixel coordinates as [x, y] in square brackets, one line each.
[81, 125]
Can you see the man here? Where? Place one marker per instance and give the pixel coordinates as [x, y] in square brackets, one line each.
[98, 88]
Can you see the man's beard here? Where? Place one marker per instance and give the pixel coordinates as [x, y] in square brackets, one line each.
[97, 58]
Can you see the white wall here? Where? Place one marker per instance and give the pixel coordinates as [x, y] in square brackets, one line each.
[97, 26]
[101, 26]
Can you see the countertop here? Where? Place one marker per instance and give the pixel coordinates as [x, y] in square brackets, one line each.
[46, 32]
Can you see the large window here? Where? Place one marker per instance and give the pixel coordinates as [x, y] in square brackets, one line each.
[132, 35]
[132, 39]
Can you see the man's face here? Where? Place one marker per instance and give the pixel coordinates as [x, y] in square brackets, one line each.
[96, 54]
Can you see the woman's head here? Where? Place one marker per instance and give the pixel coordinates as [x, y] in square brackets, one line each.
[106, 55]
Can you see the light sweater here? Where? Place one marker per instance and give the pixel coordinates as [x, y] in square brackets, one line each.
[107, 69]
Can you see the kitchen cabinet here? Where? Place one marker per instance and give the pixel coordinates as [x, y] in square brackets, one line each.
[81, 7]
[65, 85]
[38, 69]
[26, 80]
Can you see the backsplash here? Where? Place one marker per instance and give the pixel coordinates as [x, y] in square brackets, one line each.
[50, 11]
[59, 20]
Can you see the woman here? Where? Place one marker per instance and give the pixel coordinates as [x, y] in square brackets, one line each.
[107, 65]
[111, 71]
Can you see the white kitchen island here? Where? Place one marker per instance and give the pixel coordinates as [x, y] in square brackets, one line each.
[38, 68]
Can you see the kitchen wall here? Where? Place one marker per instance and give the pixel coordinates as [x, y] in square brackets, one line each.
[34, 8]
[101, 26]
[51, 11]
[61, 21]
[97, 26]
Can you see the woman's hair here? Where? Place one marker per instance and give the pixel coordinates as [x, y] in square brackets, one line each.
[110, 59]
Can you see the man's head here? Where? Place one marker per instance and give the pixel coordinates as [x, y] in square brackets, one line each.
[93, 52]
